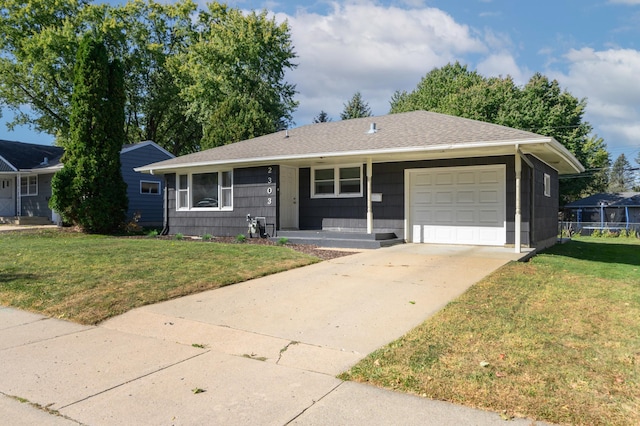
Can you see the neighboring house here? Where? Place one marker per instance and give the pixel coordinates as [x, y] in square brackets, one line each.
[423, 176]
[144, 191]
[604, 211]
[25, 182]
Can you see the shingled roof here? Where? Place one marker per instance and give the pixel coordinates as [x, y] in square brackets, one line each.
[16, 156]
[614, 199]
[395, 137]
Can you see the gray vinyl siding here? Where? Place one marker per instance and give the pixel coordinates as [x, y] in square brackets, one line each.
[148, 206]
[545, 224]
[5, 167]
[251, 194]
[38, 205]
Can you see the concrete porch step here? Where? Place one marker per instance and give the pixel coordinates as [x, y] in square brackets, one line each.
[355, 240]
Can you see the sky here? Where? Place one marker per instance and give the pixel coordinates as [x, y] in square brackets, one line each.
[592, 47]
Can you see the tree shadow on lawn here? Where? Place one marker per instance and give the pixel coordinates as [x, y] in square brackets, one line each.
[13, 277]
[598, 252]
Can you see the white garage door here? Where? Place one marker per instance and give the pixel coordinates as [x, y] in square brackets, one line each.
[457, 205]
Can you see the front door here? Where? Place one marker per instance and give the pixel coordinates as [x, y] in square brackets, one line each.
[288, 197]
[7, 202]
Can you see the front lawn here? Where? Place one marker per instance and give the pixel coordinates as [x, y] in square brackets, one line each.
[89, 278]
[555, 339]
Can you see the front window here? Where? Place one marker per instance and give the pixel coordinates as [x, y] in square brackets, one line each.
[29, 185]
[182, 200]
[338, 181]
[205, 191]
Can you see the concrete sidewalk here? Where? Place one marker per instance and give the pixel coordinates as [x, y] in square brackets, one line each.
[262, 352]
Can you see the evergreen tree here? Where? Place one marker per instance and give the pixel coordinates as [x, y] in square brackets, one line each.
[621, 175]
[355, 108]
[89, 190]
[323, 117]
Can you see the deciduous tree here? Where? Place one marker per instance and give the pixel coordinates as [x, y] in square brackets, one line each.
[232, 75]
[185, 78]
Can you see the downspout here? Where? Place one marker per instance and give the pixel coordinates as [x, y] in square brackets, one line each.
[19, 195]
[518, 217]
[165, 210]
[369, 202]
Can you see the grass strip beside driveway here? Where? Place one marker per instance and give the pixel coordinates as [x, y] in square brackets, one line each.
[555, 339]
[89, 278]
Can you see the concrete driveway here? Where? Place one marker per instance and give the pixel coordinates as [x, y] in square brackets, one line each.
[262, 352]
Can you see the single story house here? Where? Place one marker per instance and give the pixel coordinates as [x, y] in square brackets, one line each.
[26, 170]
[613, 211]
[423, 176]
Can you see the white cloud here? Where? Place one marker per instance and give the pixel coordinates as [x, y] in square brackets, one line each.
[608, 79]
[373, 49]
[503, 64]
[629, 2]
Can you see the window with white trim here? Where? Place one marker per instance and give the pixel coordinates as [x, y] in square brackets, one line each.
[205, 191]
[337, 181]
[547, 185]
[29, 185]
[149, 187]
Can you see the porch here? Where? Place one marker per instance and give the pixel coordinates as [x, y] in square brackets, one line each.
[344, 239]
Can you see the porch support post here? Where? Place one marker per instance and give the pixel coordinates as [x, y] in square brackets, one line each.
[369, 202]
[518, 218]
[626, 215]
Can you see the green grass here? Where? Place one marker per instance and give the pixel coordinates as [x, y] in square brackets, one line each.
[555, 339]
[89, 278]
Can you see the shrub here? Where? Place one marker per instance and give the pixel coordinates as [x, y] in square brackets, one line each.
[207, 237]
[283, 241]
[178, 236]
[596, 233]
[240, 238]
[153, 233]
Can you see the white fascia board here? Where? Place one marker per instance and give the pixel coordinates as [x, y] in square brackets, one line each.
[43, 170]
[563, 152]
[266, 160]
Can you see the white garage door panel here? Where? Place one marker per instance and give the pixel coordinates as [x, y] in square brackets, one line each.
[465, 217]
[458, 205]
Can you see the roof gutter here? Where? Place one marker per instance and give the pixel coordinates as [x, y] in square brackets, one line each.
[159, 168]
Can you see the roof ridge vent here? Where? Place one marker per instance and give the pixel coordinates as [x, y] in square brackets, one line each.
[372, 129]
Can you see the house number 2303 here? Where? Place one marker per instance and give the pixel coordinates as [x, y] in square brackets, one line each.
[269, 182]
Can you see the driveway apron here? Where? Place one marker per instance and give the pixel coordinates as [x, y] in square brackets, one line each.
[261, 352]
